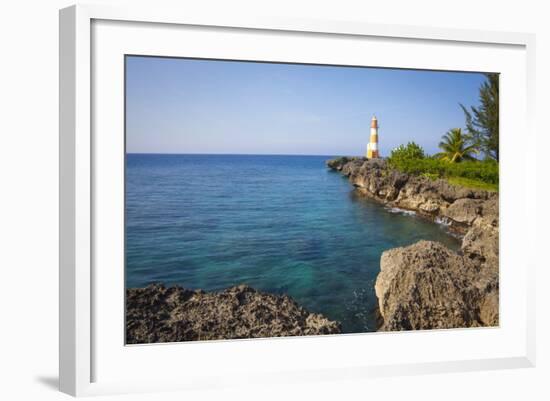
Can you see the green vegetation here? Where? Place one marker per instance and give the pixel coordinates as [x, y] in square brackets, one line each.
[475, 184]
[408, 152]
[456, 147]
[482, 121]
[485, 171]
[431, 176]
[456, 162]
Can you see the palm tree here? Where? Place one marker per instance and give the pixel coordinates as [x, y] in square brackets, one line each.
[457, 147]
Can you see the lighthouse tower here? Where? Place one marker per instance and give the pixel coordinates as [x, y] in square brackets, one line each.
[372, 147]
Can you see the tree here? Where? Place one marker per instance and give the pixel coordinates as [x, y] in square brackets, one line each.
[482, 121]
[457, 147]
[410, 151]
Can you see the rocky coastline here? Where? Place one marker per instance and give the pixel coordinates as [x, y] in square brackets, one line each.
[422, 286]
[173, 314]
[426, 285]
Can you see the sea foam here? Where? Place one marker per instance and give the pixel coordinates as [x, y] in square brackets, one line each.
[401, 211]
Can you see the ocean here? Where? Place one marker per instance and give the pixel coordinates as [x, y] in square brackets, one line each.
[281, 224]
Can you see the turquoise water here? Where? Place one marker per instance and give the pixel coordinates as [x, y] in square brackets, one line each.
[281, 224]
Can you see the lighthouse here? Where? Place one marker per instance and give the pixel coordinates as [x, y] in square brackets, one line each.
[372, 147]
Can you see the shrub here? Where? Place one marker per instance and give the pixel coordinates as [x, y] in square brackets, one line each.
[431, 176]
[486, 171]
[407, 152]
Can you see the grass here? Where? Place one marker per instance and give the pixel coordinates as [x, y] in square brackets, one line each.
[472, 183]
[474, 174]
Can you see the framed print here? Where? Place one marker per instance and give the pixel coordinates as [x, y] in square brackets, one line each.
[279, 200]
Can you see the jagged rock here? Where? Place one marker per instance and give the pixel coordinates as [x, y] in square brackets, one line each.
[430, 206]
[337, 164]
[376, 179]
[464, 211]
[160, 314]
[481, 245]
[428, 286]
[489, 213]
[488, 309]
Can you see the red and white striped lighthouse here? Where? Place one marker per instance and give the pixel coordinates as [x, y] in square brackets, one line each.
[372, 147]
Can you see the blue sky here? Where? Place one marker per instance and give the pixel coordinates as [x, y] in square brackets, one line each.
[201, 106]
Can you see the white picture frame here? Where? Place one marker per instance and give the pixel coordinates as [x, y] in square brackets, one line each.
[81, 346]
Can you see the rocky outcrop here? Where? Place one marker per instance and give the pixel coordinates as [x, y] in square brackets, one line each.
[426, 285]
[458, 206]
[173, 314]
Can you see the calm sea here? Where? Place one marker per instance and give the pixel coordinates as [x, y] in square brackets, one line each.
[281, 224]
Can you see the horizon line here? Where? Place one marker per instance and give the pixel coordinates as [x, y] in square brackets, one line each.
[235, 154]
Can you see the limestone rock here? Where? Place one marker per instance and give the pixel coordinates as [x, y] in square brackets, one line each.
[160, 314]
[481, 245]
[428, 286]
[464, 210]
